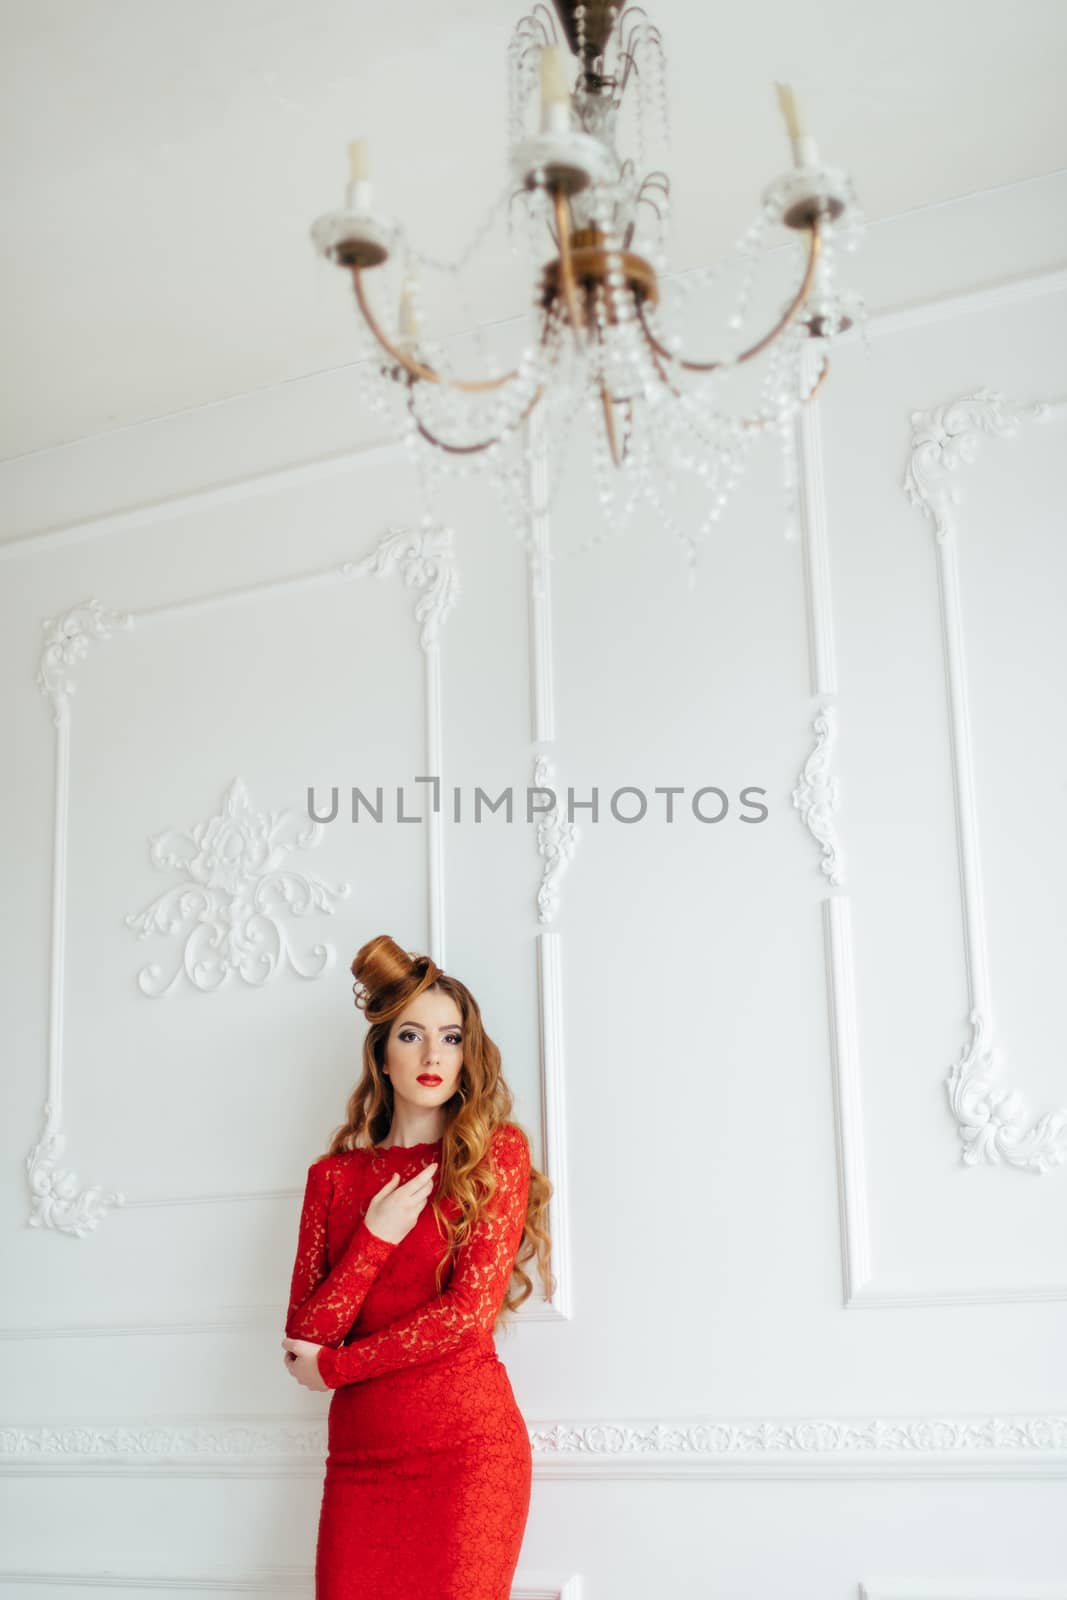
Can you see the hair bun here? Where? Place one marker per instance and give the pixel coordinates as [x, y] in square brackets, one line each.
[387, 976]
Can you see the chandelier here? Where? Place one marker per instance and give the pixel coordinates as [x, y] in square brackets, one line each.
[608, 328]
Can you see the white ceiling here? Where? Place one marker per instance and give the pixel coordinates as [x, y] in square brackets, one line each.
[163, 162]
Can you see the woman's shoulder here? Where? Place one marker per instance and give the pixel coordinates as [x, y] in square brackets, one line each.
[510, 1143]
[329, 1164]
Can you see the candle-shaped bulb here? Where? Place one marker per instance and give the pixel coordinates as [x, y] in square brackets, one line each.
[805, 151]
[553, 76]
[358, 165]
[787, 103]
[555, 93]
[358, 195]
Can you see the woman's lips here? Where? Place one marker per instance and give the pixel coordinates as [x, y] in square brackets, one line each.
[429, 1077]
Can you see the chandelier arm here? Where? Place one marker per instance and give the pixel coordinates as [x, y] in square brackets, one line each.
[468, 449]
[759, 424]
[783, 322]
[608, 407]
[609, 424]
[820, 380]
[566, 264]
[417, 369]
[661, 371]
[762, 423]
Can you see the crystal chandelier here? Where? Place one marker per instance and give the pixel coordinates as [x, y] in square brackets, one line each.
[602, 330]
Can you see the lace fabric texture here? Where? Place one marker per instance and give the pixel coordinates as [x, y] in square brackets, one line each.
[428, 1476]
[325, 1302]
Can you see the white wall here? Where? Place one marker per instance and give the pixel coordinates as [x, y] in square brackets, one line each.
[800, 1347]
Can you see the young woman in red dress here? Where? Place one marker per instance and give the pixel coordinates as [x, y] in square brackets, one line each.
[413, 1226]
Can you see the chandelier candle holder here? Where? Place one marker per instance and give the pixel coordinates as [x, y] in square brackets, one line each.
[603, 307]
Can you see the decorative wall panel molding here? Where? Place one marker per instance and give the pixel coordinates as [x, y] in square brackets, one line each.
[556, 839]
[555, 846]
[235, 893]
[772, 1447]
[299, 1581]
[425, 560]
[265, 1317]
[939, 448]
[992, 1122]
[815, 545]
[962, 1589]
[816, 796]
[554, 1125]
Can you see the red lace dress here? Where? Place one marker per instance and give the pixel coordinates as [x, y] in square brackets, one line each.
[429, 1468]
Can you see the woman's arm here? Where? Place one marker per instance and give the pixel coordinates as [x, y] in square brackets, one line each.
[323, 1305]
[468, 1308]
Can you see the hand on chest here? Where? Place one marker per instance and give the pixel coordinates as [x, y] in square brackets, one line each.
[354, 1187]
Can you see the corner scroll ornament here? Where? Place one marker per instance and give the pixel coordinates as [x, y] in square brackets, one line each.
[55, 1199]
[67, 640]
[992, 1122]
[816, 796]
[237, 888]
[947, 437]
[426, 560]
[556, 840]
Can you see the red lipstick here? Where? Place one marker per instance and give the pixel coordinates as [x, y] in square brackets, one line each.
[429, 1078]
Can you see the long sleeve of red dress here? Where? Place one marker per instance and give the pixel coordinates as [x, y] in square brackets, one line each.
[467, 1309]
[322, 1304]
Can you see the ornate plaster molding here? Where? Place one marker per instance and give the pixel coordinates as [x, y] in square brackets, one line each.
[236, 889]
[66, 642]
[556, 839]
[425, 559]
[992, 1122]
[56, 1201]
[947, 438]
[816, 796]
[782, 1446]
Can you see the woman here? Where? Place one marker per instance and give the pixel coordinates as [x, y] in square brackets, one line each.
[394, 1300]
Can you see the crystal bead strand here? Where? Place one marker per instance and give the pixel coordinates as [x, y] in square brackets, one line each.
[749, 249]
[456, 272]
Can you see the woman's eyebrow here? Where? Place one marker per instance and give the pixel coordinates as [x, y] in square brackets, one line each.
[446, 1027]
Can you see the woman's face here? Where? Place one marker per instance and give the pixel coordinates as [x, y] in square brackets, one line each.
[426, 1039]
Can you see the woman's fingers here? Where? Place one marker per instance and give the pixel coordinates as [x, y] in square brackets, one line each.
[421, 1180]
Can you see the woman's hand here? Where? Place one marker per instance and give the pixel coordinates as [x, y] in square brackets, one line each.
[391, 1215]
[394, 1211]
[301, 1358]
